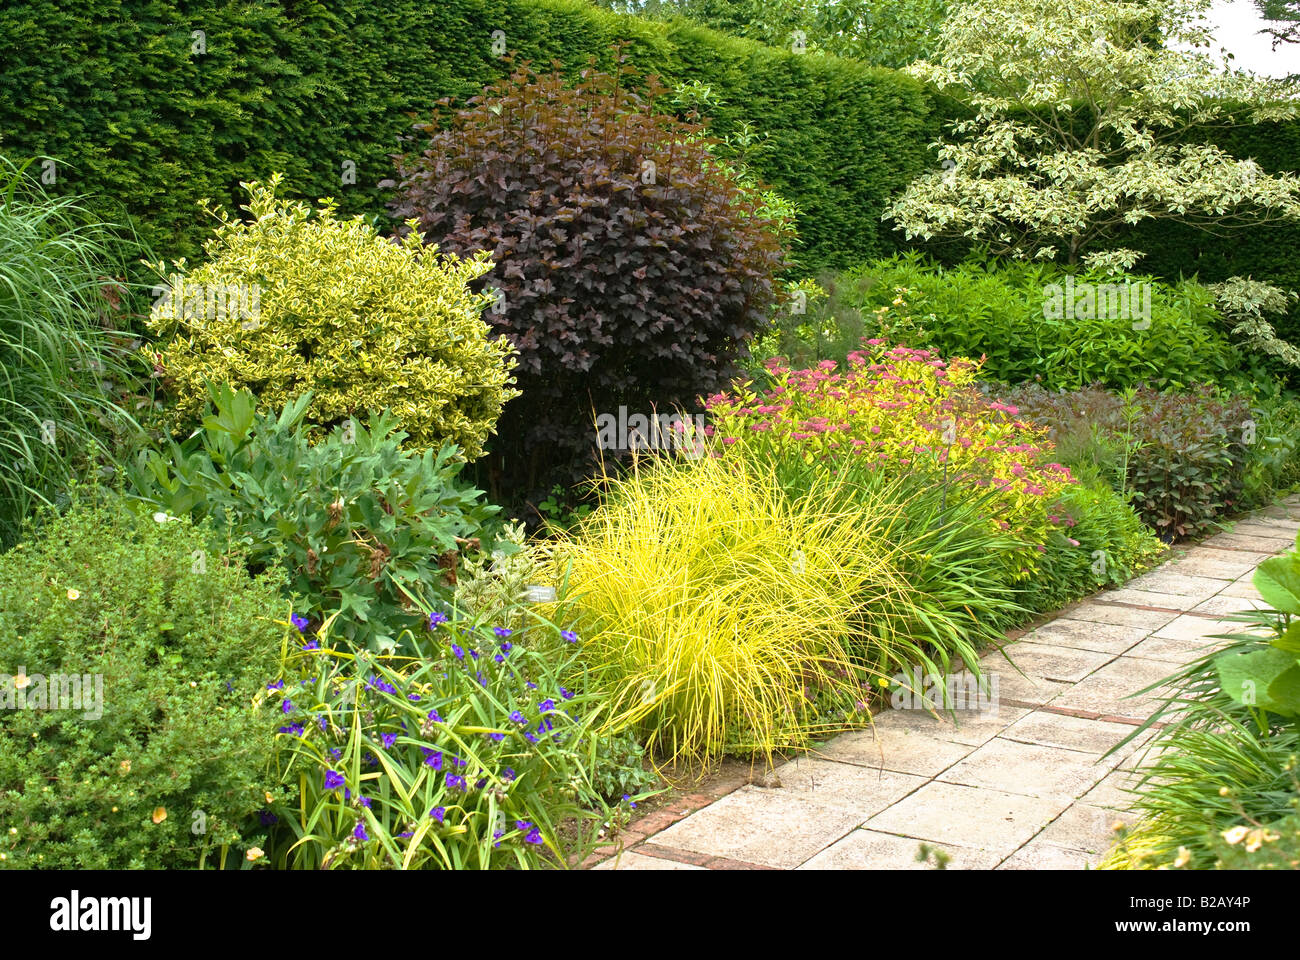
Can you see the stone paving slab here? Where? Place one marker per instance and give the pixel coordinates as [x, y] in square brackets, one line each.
[1030, 769]
[1045, 661]
[900, 751]
[869, 850]
[994, 821]
[766, 827]
[862, 790]
[1095, 612]
[1029, 783]
[1085, 635]
[1071, 733]
[637, 861]
[1111, 690]
[1195, 628]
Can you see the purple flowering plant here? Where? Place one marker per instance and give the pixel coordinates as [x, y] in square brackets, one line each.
[414, 761]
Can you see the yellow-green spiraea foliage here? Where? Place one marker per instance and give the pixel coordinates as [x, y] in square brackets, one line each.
[296, 300]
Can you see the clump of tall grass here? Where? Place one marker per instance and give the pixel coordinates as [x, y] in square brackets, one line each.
[723, 615]
[58, 349]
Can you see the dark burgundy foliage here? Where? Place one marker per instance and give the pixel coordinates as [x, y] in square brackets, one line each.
[621, 282]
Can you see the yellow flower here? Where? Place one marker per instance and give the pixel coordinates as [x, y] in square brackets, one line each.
[73, 594]
[125, 766]
[269, 798]
[1224, 791]
[13, 831]
[254, 854]
[1235, 835]
[159, 814]
[882, 681]
[1254, 840]
[22, 680]
[1184, 857]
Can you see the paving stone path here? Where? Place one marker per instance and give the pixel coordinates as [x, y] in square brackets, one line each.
[1020, 787]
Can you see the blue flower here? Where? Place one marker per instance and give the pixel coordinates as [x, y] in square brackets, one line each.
[631, 802]
[534, 836]
[287, 706]
[437, 618]
[510, 774]
[311, 645]
[433, 715]
[460, 654]
[517, 717]
[336, 752]
[530, 685]
[496, 835]
[413, 697]
[455, 781]
[474, 654]
[566, 694]
[438, 813]
[299, 622]
[388, 739]
[523, 825]
[502, 632]
[530, 738]
[546, 705]
[375, 683]
[364, 801]
[507, 647]
[278, 685]
[499, 658]
[433, 758]
[324, 722]
[569, 635]
[333, 780]
[268, 818]
[360, 832]
[496, 737]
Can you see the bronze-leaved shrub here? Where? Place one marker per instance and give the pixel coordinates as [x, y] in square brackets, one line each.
[292, 302]
[633, 263]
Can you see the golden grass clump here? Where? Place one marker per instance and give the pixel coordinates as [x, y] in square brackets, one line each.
[718, 614]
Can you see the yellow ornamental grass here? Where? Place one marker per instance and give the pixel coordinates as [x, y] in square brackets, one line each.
[718, 616]
[298, 300]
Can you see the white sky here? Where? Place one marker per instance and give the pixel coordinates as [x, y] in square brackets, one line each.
[1236, 25]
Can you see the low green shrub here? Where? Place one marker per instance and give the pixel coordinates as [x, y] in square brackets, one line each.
[1030, 322]
[1179, 457]
[1272, 443]
[366, 530]
[470, 755]
[165, 766]
[1271, 846]
[1103, 543]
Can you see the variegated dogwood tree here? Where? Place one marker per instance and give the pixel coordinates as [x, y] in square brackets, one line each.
[1087, 118]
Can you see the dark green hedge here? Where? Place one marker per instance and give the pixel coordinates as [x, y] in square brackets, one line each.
[112, 90]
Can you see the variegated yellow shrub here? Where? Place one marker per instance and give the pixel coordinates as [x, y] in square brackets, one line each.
[298, 300]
